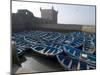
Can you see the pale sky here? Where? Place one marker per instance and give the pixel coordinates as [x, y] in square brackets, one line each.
[67, 14]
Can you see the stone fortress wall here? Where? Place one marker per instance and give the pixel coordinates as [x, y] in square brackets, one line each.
[25, 20]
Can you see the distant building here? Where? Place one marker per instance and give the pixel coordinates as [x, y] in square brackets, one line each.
[49, 14]
[22, 20]
[25, 20]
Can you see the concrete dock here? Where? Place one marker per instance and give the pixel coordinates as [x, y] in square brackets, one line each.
[35, 63]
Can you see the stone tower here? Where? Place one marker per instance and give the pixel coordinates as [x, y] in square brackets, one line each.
[49, 14]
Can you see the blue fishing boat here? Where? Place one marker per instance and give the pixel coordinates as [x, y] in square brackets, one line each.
[68, 38]
[78, 39]
[21, 44]
[89, 43]
[30, 40]
[72, 64]
[48, 50]
[80, 55]
[52, 37]
[55, 43]
[20, 50]
[74, 39]
[77, 42]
